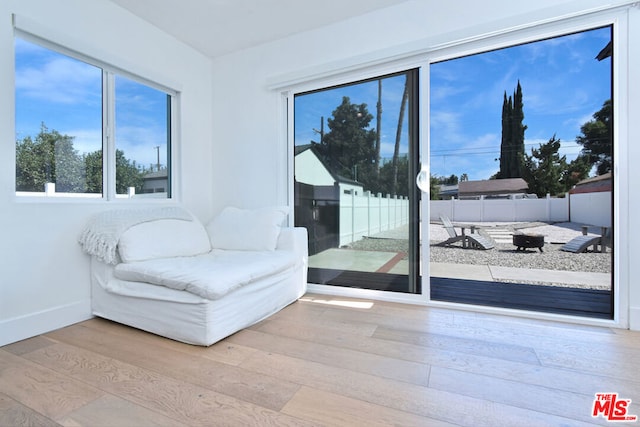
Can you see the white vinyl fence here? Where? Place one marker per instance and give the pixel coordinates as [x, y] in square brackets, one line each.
[582, 208]
[502, 210]
[591, 208]
[367, 214]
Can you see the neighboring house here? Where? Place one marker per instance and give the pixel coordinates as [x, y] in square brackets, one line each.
[317, 204]
[448, 191]
[493, 188]
[155, 182]
[311, 170]
[596, 184]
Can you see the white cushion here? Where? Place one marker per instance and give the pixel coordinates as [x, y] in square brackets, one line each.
[163, 238]
[247, 229]
[211, 275]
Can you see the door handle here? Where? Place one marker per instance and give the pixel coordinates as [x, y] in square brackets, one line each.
[423, 181]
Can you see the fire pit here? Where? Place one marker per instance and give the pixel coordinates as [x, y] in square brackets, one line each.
[526, 241]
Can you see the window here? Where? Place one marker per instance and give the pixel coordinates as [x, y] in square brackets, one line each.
[66, 111]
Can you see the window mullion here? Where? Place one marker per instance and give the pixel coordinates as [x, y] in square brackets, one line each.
[108, 136]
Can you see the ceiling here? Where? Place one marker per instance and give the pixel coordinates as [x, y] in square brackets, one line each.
[218, 27]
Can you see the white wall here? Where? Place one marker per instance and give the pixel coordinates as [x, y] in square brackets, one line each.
[248, 113]
[44, 277]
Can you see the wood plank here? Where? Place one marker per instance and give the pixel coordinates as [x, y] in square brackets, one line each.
[187, 403]
[230, 380]
[528, 373]
[358, 361]
[112, 411]
[48, 392]
[423, 401]
[463, 345]
[563, 404]
[221, 351]
[28, 345]
[330, 409]
[13, 413]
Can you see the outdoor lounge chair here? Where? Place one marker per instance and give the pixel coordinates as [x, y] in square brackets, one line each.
[582, 243]
[472, 240]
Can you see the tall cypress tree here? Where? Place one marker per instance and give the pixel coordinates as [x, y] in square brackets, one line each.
[512, 145]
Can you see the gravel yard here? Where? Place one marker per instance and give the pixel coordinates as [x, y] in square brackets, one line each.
[504, 254]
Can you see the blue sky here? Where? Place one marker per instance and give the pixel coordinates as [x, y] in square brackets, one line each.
[562, 82]
[66, 94]
[309, 108]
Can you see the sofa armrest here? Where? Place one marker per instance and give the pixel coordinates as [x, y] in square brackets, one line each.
[294, 239]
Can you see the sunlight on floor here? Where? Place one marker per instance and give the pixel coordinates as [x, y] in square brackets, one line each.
[342, 303]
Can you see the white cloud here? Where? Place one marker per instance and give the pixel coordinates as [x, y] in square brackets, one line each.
[60, 80]
[137, 143]
[85, 140]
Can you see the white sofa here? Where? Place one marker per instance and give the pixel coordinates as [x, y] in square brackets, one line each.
[175, 277]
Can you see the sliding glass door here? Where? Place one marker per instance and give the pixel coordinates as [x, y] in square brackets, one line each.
[521, 161]
[355, 160]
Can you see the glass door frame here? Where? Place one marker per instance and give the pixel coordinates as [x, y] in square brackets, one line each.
[617, 19]
[421, 59]
[414, 117]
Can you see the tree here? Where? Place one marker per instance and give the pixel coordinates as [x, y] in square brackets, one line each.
[596, 138]
[396, 147]
[576, 171]
[127, 174]
[545, 169]
[93, 171]
[512, 145]
[378, 143]
[349, 146]
[49, 158]
[434, 188]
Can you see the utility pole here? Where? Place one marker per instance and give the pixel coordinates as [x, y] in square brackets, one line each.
[158, 153]
[321, 131]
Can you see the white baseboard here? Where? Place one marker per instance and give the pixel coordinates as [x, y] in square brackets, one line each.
[30, 325]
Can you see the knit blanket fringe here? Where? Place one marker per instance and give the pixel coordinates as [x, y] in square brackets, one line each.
[103, 230]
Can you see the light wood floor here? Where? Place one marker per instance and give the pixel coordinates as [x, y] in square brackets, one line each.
[324, 361]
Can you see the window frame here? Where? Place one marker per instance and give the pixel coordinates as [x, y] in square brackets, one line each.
[30, 32]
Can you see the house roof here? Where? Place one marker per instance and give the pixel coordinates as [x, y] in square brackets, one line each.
[595, 184]
[492, 186]
[156, 174]
[299, 149]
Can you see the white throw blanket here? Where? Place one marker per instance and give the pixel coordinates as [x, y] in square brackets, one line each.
[101, 234]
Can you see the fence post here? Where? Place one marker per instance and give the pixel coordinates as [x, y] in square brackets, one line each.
[379, 202]
[353, 216]
[368, 194]
[453, 208]
[548, 207]
[50, 189]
